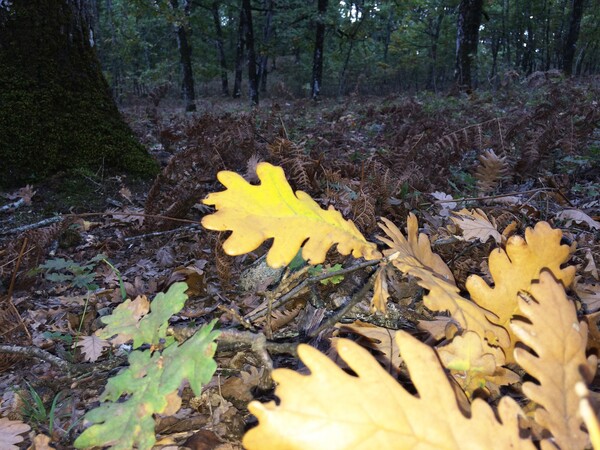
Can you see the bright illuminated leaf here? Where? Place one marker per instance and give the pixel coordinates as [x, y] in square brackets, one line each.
[255, 213]
[412, 255]
[559, 342]
[330, 409]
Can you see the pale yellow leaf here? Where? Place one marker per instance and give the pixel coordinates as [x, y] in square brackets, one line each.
[476, 365]
[330, 409]
[255, 213]
[10, 431]
[476, 225]
[514, 269]
[413, 256]
[92, 347]
[559, 363]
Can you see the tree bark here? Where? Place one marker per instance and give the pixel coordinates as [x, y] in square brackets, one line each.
[220, 48]
[252, 72]
[467, 38]
[264, 54]
[317, 70]
[56, 111]
[185, 55]
[572, 36]
[239, 55]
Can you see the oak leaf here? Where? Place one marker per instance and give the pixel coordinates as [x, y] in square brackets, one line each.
[92, 347]
[559, 363]
[255, 213]
[330, 409]
[514, 269]
[412, 255]
[474, 364]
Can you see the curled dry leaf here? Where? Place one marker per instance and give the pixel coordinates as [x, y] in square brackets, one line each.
[330, 409]
[575, 215]
[272, 210]
[380, 291]
[589, 294]
[514, 269]
[412, 255]
[559, 363]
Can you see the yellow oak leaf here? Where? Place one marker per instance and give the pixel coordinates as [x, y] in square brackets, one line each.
[474, 364]
[559, 363]
[330, 409]
[255, 213]
[412, 255]
[514, 269]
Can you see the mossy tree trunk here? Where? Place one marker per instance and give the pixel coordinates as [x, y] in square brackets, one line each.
[56, 111]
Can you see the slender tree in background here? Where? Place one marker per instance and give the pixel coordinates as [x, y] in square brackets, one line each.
[572, 36]
[467, 38]
[56, 110]
[252, 67]
[264, 54]
[220, 49]
[317, 69]
[185, 53]
[239, 54]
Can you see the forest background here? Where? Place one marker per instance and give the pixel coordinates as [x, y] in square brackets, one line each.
[366, 47]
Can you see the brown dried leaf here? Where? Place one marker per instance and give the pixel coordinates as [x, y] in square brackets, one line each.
[378, 338]
[92, 347]
[476, 225]
[589, 294]
[380, 291]
[559, 363]
[575, 215]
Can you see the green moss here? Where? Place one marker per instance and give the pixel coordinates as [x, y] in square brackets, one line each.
[56, 113]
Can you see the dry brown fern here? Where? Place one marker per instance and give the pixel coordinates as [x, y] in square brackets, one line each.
[490, 171]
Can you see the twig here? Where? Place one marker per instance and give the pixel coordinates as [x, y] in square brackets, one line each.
[356, 299]
[158, 233]
[489, 197]
[31, 226]
[13, 205]
[309, 281]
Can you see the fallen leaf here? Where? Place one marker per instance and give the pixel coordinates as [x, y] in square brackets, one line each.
[412, 255]
[380, 290]
[255, 213]
[10, 431]
[92, 347]
[476, 365]
[514, 269]
[476, 225]
[559, 362]
[331, 409]
[589, 294]
[575, 215]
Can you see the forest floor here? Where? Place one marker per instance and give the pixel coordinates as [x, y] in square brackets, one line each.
[524, 154]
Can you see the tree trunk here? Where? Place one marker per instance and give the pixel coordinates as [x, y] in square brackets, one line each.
[252, 75]
[185, 55]
[239, 55]
[317, 70]
[56, 111]
[467, 38]
[220, 49]
[264, 54]
[572, 36]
